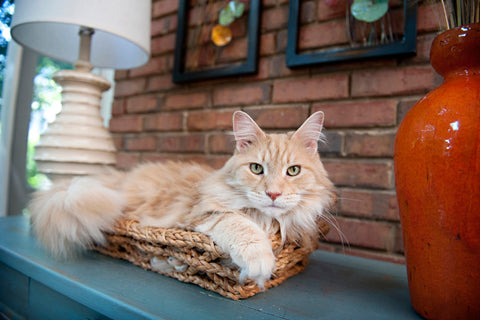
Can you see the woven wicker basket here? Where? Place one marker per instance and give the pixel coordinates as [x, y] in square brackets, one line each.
[204, 258]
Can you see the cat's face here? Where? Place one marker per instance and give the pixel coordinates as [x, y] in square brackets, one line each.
[278, 173]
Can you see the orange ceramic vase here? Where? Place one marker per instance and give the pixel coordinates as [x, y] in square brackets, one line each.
[437, 174]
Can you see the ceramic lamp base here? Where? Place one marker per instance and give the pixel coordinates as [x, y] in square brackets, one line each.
[76, 143]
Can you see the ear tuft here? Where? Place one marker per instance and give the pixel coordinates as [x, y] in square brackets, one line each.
[311, 131]
[246, 130]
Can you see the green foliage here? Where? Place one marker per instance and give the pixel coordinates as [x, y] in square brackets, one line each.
[46, 96]
[35, 179]
[6, 12]
[45, 89]
[234, 9]
[369, 10]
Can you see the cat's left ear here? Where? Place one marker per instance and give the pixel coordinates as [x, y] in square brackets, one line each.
[311, 131]
[246, 131]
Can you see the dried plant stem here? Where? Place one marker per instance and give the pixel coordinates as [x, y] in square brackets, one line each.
[460, 12]
[446, 16]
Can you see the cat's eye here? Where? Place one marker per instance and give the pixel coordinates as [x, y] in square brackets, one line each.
[293, 171]
[256, 168]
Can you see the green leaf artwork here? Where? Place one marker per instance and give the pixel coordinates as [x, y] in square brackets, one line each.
[233, 10]
[369, 10]
[237, 8]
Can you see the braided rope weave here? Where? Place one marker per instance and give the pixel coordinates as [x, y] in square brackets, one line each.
[205, 260]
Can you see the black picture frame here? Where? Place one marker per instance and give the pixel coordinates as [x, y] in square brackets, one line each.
[407, 46]
[249, 66]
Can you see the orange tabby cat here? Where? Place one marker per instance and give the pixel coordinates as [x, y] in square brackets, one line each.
[273, 182]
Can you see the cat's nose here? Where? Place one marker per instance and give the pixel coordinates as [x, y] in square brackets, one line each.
[273, 195]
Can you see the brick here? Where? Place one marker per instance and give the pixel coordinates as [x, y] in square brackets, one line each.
[277, 68]
[236, 50]
[430, 18]
[238, 28]
[194, 143]
[399, 241]
[118, 107]
[182, 143]
[186, 100]
[141, 104]
[209, 120]
[163, 44]
[404, 107]
[164, 7]
[378, 113]
[170, 144]
[268, 3]
[308, 89]
[262, 73]
[363, 253]
[281, 41]
[164, 25]
[424, 45]
[125, 88]
[160, 83]
[154, 66]
[360, 173]
[396, 81]
[371, 204]
[361, 233]
[307, 11]
[267, 44]
[140, 144]
[200, 57]
[157, 157]
[217, 161]
[370, 144]
[127, 161]
[214, 161]
[333, 33]
[120, 74]
[333, 145]
[290, 117]
[348, 66]
[205, 13]
[275, 18]
[118, 142]
[124, 124]
[221, 143]
[241, 94]
[326, 11]
[164, 122]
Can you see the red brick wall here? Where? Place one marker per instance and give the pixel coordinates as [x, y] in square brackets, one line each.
[154, 119]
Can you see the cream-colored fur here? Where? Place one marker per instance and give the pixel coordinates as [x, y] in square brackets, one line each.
[235, 206]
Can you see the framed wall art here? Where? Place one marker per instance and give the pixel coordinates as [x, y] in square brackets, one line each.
[326, 31]
[216, 38]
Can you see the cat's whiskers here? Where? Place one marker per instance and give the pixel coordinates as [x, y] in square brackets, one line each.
[332, 221]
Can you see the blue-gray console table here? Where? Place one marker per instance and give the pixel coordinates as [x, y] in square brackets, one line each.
[334, 286]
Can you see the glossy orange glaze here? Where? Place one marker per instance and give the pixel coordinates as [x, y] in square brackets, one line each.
[437, 173]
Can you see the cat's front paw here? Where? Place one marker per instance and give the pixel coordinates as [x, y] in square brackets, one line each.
[256, 262]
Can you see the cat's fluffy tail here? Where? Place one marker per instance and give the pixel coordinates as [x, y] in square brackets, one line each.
[72, 214]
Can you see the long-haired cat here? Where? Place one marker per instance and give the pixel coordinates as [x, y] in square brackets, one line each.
[272, 183]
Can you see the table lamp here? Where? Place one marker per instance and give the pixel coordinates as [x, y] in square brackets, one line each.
[101, 33]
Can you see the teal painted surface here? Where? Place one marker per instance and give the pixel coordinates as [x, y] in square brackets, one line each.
[46, 304]
[332, 287]
[13, 293]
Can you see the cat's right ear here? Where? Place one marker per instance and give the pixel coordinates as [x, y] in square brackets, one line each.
[246, 131]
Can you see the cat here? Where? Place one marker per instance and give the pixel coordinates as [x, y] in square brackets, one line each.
[272, 183]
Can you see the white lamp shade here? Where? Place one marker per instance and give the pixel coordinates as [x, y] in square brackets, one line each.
[50, 27]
